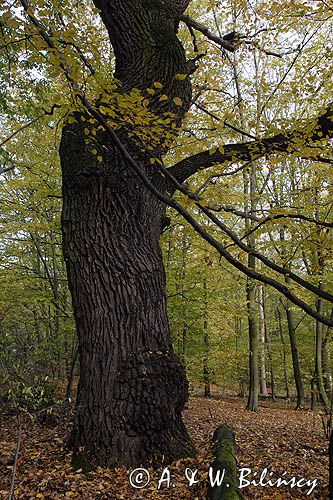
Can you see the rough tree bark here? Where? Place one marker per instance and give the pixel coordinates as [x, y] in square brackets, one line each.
[132, 387]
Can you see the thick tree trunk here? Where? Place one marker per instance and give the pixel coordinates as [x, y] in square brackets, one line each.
[132, 387]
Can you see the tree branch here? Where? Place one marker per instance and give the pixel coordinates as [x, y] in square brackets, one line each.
[29, 124]
[165, 199]
[289, 216]
[208, 34]
[289, 142]
[246, 248]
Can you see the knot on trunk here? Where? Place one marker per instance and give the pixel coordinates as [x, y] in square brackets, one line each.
[151, 385]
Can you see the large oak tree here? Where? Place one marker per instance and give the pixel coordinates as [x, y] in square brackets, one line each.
[133, 388]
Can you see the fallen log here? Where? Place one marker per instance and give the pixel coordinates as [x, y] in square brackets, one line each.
[223, 475]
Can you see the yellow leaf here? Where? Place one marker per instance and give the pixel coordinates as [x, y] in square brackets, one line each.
[150, 91]
[71, 119]
[39, 495]
[163, 98]
[146, 102]
[99, 158]
[180, 76]
[152, 161]
[94, 151]
[177, 101]
[158, 85]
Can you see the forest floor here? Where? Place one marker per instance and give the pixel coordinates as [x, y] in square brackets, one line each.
[277, 438]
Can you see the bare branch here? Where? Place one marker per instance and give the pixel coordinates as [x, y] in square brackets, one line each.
[205, 31]
[289, 216]
[281, 270]
[81, 55]
[212, 115]
[27, 125]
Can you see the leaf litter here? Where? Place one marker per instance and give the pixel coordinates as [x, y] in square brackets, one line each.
[277, 437]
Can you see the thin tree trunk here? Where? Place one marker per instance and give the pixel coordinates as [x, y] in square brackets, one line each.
[314, 395]
[270, 357]
[250, 188]
[206, 371]
[320, 266]
[183, 300]
[326, 361]
[293, 342]
[269, 349]
[318, 363]
[284, 355]
[70, 374]
[239, 335]
[253, 396]
[262, 334]
[294, 354]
